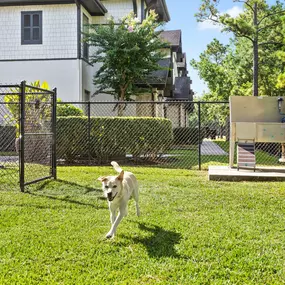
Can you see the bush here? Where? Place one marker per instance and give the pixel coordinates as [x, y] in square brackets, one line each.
[187, 136]
[112, 137]
[65, 110]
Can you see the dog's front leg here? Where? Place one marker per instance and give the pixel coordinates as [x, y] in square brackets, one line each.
[114, 226]
[112, 216]
[113, 210]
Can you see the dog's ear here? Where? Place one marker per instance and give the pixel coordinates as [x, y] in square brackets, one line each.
[121, 176]
[102, 178]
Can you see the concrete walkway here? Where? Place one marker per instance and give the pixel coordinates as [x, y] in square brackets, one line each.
[224, 173]
[210, 148]
[9, 158]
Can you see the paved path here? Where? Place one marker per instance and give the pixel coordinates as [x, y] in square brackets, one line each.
[9, 158]
[210, 148]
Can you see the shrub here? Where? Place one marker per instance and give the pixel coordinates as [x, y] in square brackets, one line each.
[111, 137]
[188, 136]
[65, 110]
[33, 96]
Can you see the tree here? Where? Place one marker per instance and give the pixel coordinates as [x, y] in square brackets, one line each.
[213, 69]
[281, 57]
[128, 53]
[256, 20]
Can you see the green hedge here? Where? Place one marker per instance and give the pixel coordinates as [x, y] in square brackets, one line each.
[112, 137]
[187, 136]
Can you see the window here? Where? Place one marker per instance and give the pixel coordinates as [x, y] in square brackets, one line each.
[85, 31]
[31, 25]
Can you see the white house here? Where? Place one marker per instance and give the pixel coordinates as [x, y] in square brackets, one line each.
[42, 40]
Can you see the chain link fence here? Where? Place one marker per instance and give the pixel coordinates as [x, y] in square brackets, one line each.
[169, 134]
[186, 135]
[38, 134]
[9, 126]
[27, 135]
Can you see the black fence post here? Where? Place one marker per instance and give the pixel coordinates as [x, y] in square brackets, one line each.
[22, 135]
[54, 158]
[199, 134]
[89, 131]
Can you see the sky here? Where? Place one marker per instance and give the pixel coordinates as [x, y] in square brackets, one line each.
[196, 36]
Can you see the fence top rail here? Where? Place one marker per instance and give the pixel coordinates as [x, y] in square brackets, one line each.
[38, 93]
[39, 89]
[14, 94]
[10, 86]
[141, 102]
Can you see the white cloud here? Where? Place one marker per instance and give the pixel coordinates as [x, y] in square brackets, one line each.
[234, 12]
[208, 25]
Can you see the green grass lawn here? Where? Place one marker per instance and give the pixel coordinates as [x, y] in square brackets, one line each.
[191, 231]
[189, 159]
[9, 175]
[8, 153]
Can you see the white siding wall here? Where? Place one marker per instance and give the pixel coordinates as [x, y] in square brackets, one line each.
[87, 70]
[63, 74]
[116, 9]
[59, 33]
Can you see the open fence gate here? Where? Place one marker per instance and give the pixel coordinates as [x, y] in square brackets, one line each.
[28, 135]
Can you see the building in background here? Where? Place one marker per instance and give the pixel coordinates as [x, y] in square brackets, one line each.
[42, 40]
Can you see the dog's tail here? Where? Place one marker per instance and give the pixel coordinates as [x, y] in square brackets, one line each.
[116, 166]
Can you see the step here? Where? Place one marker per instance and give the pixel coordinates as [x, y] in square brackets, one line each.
[246, 155]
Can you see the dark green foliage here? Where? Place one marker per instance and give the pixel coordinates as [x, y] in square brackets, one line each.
[111, 137]
[128, 53]
[251, 62]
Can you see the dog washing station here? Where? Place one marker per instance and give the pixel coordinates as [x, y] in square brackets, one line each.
[253, 120]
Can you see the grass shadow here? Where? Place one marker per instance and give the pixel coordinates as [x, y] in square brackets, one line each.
[89, 189]
[161, 243]
[67, 197]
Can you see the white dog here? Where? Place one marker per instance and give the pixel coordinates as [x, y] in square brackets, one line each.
[118, 190]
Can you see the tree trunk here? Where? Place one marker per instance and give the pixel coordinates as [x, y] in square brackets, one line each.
[121, 106]
[255, 53]
[255, 68]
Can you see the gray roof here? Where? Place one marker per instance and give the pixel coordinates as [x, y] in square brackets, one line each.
[160, 8]
[158, 77]
[172, 37]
